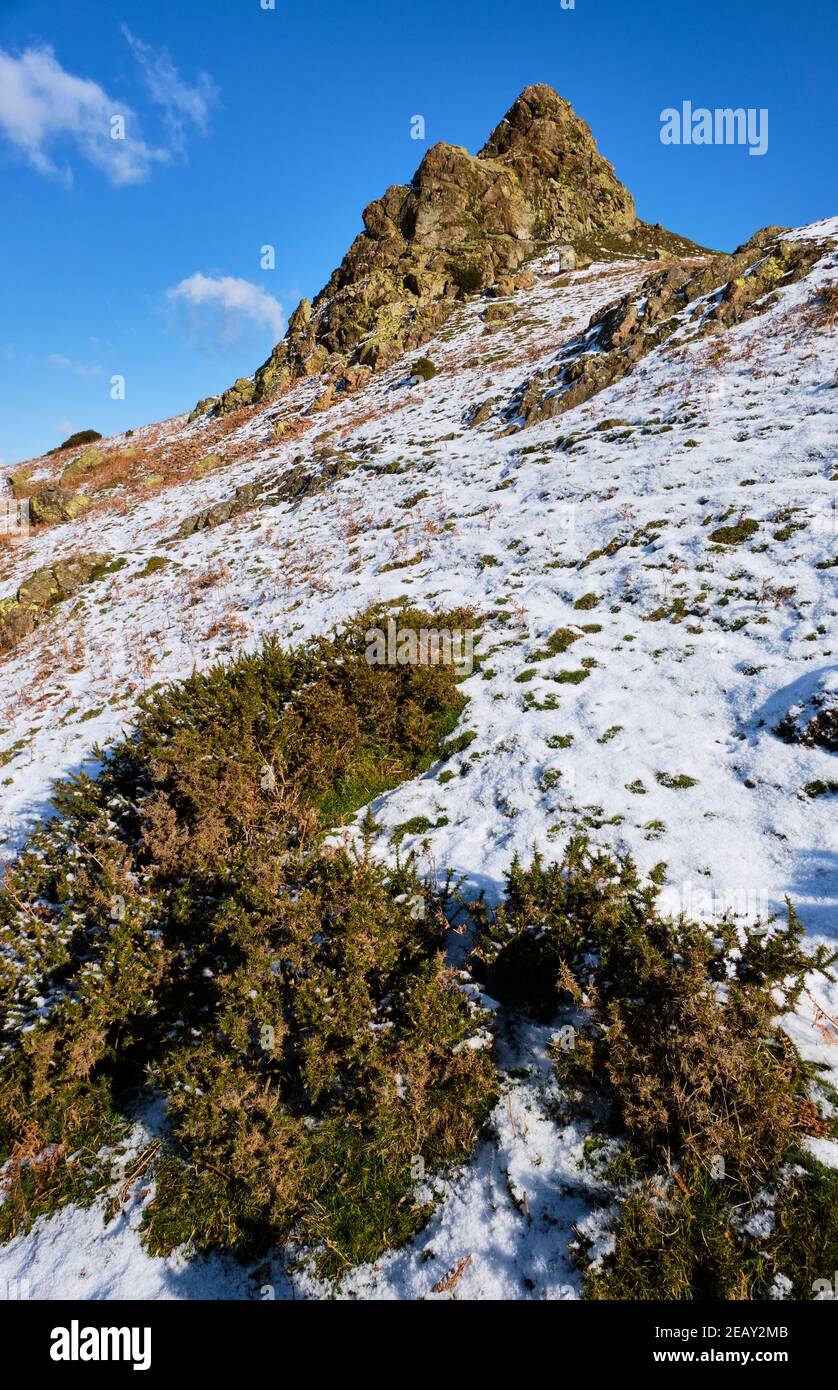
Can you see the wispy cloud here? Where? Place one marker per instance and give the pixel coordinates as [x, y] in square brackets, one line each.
[57, 359]
[48, 114]
[183, 104]
[237, 301]
[42, 107]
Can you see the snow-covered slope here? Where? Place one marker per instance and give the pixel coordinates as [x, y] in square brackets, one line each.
[689, 654]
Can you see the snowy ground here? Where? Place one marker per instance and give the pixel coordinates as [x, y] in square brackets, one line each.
[508, 524]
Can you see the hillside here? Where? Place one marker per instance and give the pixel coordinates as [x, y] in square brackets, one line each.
[602, 431]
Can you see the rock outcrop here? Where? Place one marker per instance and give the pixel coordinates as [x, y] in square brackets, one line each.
[21, 614]
[463, 223]
[50, 505]
[722, 291]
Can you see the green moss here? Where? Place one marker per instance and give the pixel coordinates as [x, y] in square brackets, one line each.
[556, 643]
[153, 565]
[735, 535]
[820, 788]
[678, 782]
[109, 567]
[400, 564]
[416, 825]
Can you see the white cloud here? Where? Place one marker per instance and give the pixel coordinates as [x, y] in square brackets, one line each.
[181, 103]
[42, 105]
[47, 112]
[57, 359]
[237, 300]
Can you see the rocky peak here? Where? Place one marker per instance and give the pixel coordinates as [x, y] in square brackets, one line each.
[554, 155]
[462, 224]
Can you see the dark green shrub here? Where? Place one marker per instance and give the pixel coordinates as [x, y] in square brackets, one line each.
[180, 925]
[76, 440]
[673, 1032]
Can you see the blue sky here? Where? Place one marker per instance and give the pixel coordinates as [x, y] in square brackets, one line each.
[246, 127]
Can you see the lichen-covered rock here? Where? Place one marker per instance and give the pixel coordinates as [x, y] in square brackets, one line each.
[202, 408]
[732, 288]
[39, 590]
[464, 222]
[242, 392]
[242, 500]
[81, 465]
[21, 614]
[19, 481]
[304, 478]
[54, 504]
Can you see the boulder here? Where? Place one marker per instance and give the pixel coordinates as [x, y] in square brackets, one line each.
[44, 588]
[55, 504]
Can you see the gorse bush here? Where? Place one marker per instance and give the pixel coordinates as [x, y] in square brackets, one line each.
[74, 441]
[180, 928]
[186, 929]
[425, 368]
[672, 1027]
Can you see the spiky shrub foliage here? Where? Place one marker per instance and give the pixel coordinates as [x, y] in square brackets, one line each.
[181, 926]
[675, 1032]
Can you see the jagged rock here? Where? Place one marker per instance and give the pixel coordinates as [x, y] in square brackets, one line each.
[39, 590]
[619, 335]
[242, 392]
[202, 408]
[241, 501]
[81, 465]
[355, 378]
[302, 479]
[465, 222]
[55, 504]
[323, 401]
[478, 415]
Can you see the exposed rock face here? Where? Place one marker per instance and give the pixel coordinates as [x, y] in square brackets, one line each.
[464, 222]
[619, 336]
[55, 504]
[44, 588]
[326, 467]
